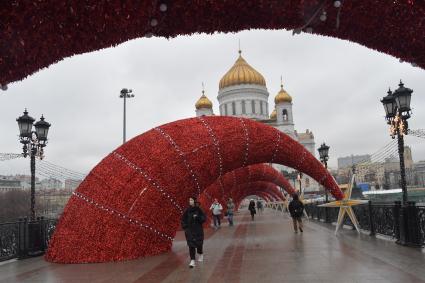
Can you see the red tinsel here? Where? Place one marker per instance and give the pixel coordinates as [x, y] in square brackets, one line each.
[223, 187]
[36, 34]
[130, 204]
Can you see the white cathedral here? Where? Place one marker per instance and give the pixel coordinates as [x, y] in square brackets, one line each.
[243, 93]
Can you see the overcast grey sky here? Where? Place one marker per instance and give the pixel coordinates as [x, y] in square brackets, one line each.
[336, 87]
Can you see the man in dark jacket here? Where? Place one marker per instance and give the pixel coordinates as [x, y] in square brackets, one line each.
[296, 209]
[251, 208]
[192, 221]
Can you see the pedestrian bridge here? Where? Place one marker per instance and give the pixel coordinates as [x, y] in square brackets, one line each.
[264, 250]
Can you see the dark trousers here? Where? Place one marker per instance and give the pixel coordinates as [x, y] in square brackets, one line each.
[192, 251]
[230, 218]
[217, 221]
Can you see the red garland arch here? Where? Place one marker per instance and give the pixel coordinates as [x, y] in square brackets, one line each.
[245, 190]
[238, 190]
[221, 188]
[114, 215]
[36, 34]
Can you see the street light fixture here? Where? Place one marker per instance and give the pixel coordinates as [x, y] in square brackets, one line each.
[324, 157]
[34, 142]
[397, 110]
[125, 93]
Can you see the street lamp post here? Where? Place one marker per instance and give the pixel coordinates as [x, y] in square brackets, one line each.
[125, 93]
[397, 112]
[324, 157]
[33, 145]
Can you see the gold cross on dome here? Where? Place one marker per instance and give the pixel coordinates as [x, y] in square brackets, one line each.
[345, 206]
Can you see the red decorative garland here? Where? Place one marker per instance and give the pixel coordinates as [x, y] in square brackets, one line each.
[36, 34]
[130, 204]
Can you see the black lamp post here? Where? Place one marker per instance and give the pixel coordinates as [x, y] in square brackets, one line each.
[34, 142]
[125, 93]
[324, 157]
[397, 110]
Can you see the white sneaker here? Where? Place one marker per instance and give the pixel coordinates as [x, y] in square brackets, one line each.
[201, 258]
[192, 264]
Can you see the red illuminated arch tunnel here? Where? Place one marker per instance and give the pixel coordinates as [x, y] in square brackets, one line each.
[130, 204]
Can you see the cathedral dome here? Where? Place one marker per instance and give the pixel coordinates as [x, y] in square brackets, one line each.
[273, 116]
[241, 73]
[203, 102]
[282, 96]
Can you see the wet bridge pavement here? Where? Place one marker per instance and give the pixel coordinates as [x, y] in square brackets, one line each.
[264, 250]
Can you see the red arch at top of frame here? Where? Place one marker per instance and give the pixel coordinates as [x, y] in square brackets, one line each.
[36, 34]
[130, 204]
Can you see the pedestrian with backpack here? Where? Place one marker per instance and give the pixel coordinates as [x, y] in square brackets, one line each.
[296, 209]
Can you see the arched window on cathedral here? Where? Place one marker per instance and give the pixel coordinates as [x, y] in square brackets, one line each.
[243, 107]
[233, 108]
[225, 109]
[285, 115]
[253, 106]
[261, 107]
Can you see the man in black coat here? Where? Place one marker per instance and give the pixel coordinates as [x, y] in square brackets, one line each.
[251, 208]
[192, 221]
[296, 209]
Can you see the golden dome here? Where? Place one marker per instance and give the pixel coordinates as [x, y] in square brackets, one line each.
[282, 96]
[203, 102]
[273, 116]
[241, 73]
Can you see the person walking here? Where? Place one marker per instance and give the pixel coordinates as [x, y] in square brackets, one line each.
[251, 208]
[230, 210]
[296, 209]
[192, 221]
[259, 206]
[216, 209]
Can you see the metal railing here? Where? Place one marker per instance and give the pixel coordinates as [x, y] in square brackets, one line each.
[25, 238]
[380, 218]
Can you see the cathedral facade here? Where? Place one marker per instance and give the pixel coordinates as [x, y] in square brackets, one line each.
[243, 93]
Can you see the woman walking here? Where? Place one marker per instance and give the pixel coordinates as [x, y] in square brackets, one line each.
[230, 209]
[192, 221]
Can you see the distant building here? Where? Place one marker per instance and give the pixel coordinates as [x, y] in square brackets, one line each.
[419, 169]
[72, 184]
[349, 161]
[51, 183]
[9, 185]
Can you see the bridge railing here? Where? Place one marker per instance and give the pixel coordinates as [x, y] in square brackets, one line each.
[25, 238]
[380, 218]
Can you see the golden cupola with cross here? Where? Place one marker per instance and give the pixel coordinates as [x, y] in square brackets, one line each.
[243, 92]
[282, 96]
[241, 73]
[204, 106]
